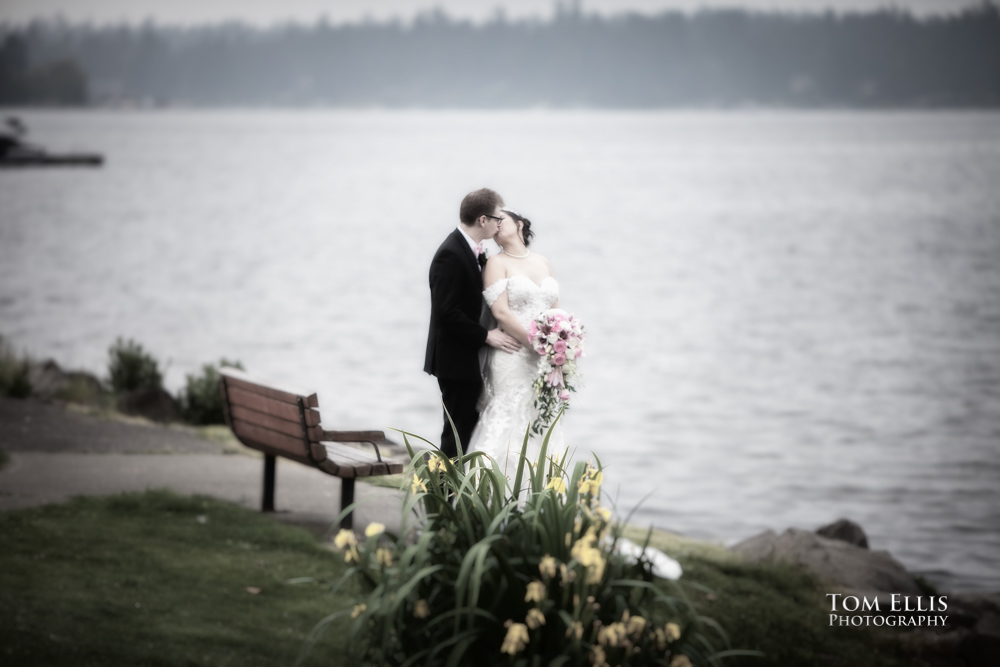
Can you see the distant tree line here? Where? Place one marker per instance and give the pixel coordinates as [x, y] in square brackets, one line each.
[59, 82]
[709, 58]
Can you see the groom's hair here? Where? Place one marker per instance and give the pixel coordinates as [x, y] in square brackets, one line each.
[478, 203]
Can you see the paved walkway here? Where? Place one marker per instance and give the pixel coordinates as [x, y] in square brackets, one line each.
[57, 454]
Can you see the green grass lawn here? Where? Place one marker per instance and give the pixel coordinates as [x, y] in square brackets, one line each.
[159, 579]
[162, 579]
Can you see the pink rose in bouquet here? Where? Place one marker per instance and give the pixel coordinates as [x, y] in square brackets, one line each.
[558, 338]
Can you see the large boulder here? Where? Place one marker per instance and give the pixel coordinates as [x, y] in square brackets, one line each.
[835, 561]
[846, 531]
[49, 381]
[152, 403]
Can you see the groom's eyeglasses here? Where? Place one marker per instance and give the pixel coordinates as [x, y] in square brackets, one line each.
[495, 218]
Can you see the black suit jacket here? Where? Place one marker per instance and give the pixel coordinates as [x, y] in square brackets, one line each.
[455, 334]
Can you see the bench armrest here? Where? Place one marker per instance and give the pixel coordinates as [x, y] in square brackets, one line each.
[357, 436]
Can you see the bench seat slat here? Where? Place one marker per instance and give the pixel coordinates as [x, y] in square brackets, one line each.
[344, 471]
[291, 428]
[363, 465]
[274, 390]
[331, 468]
[246, 399]
[337, 452]
[354, 436]
[347, 468]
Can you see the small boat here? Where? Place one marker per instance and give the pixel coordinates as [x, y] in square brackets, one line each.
[45, 159]
[15, 152]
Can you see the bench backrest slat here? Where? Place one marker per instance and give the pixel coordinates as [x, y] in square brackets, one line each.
[266, 439]
[269, 406]
[278, 391]
[292, 428]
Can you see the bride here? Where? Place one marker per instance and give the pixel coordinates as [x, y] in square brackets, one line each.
[519, 286]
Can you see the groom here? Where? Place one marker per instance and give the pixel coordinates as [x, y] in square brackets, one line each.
[456, 303]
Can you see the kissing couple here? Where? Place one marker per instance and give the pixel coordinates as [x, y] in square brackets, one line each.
[480, 351]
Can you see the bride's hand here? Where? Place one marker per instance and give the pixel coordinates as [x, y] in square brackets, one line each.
[501, 341]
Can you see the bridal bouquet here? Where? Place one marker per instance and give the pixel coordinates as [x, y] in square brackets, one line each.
[558, 337]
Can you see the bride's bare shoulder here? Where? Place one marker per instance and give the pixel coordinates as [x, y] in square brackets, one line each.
[497, 263]
[544, 260]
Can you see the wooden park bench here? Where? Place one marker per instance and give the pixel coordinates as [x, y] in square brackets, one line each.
[282, 421]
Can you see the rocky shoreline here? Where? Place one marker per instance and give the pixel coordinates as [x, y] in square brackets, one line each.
[51, 382]
[872, 588]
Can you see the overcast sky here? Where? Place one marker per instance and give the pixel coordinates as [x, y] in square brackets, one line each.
[338, 11]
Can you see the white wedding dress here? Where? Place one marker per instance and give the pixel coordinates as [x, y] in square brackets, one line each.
[509, 408]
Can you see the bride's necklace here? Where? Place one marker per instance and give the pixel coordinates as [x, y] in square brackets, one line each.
[526, 253]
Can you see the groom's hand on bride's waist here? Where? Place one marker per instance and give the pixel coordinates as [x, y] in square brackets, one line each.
[501, 341]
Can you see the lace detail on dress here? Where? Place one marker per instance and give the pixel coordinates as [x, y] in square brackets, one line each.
[493, 292]
[510, 408]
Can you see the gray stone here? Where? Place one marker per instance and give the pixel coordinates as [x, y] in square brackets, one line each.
[835, 561]
[49, 381]
[982, 608]
[152, 403]
[846, 531]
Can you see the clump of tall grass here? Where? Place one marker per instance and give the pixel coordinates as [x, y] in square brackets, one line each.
[15, 378]
[522, 573]
[201, 400]
[85, 389]
[130, 367]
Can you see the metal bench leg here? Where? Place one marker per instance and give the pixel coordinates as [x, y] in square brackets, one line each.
[347, 498]
[268, 502]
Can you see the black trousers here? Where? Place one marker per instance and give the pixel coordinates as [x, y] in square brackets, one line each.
[460, 398]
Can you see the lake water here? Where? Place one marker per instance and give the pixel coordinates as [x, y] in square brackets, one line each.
[792, 317]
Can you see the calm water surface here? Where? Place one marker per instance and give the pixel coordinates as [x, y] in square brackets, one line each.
[792, 317]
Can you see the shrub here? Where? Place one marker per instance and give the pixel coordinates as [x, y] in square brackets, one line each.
[496, 575]
[131, 368]
[85, 389]
[14, 373]
[201, 400]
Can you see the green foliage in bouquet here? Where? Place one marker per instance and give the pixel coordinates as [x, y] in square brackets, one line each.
[201, 399]
[130, 367]
[547, 403]
[519, 574]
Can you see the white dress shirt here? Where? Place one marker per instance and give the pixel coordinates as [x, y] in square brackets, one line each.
[472, 246]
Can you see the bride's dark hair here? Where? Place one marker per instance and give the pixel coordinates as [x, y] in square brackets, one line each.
[526, 232]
